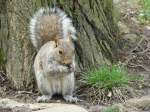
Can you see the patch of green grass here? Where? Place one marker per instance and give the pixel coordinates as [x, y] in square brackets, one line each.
[145, 12]
[112, 109]
[107, 77]
[108, 84]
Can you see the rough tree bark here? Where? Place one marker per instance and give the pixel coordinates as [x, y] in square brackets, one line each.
[14, 43]
[93, 19]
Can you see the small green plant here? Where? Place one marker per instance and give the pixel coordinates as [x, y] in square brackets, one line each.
[108, 84]
[107, 77]
[145, 12]
[112, 109]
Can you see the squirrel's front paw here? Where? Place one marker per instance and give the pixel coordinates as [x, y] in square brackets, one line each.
[64, 69]
[43, 98]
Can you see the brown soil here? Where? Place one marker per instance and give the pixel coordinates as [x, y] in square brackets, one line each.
[5, 110]
[7, 91]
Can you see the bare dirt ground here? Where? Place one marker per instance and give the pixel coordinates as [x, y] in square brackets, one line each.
[135, 53]
[7, 91]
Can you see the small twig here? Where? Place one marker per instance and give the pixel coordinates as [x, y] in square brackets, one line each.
[3, 79]
[146, 50]
[142, 66]
[130, 57]
[24, 92]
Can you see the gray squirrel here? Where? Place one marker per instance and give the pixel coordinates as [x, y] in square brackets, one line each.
[52, 34]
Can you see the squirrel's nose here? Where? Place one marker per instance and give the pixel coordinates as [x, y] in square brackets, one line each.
[67, 62]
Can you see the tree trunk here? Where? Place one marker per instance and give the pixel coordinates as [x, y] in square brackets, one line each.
[14, 42]
[96, 31]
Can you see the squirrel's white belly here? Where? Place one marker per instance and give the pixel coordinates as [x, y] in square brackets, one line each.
[61, 84]
[49, 85]
[55, 84]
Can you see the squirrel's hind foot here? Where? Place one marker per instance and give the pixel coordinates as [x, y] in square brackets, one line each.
[44, 98]
[71, 99]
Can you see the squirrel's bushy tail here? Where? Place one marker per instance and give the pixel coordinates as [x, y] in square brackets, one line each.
[66, 27]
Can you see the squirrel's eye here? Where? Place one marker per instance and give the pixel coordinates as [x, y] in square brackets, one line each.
[60, 51]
